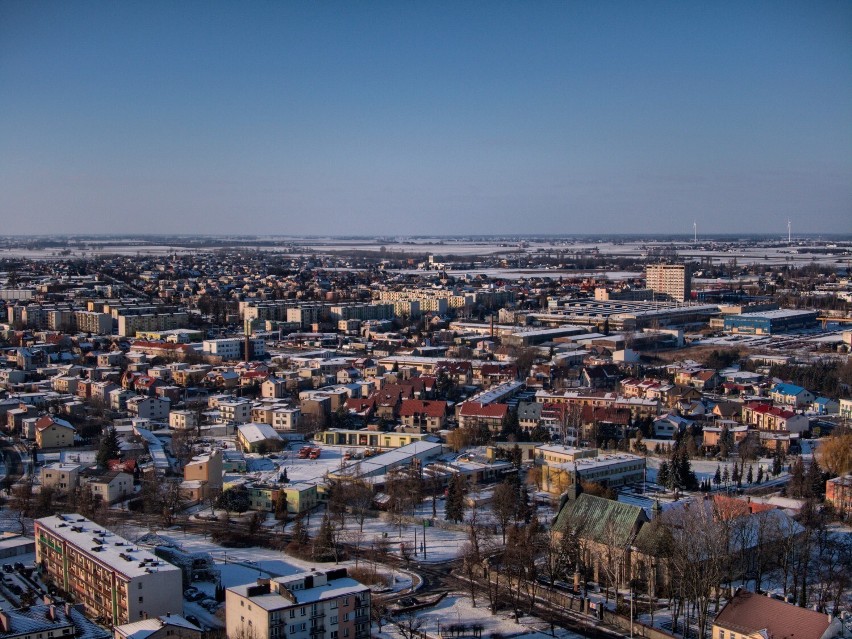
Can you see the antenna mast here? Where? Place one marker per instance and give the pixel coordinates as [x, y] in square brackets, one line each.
[695, 231]
[789, 232]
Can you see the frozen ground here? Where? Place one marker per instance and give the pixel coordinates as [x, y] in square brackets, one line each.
[458, 609]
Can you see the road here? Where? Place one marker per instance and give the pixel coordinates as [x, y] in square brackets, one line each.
[11, 461]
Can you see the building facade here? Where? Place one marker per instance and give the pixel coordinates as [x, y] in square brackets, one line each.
[114, 580]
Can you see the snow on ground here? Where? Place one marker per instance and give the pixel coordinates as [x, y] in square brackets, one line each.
[458, 609]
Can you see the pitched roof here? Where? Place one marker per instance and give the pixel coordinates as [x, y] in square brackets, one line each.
[490, 411]
[602, 520]
[411, 407]
[748, 612]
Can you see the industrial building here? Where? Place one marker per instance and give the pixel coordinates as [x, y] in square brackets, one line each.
[771, 322]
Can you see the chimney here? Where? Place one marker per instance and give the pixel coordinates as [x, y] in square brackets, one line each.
[4, 621]
[67, 609]
[51, 612]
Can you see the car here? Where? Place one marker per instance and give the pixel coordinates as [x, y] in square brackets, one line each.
[7, 567]
[19, 565]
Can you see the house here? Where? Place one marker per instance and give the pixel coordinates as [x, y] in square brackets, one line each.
[838, 492]
[61, 477]
[603, 376]
[751, 616]
[273, 388]
[203, 475]
[791, 395]
[52, 432]
[475, 414]
[166, 626]
[774, 418]
[825, 406]
[256, 438]
[108, 486]
[152, 408]
[667, 425]
[49, 620]
[425, 414]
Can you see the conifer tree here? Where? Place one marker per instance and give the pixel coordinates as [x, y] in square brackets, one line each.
[108, 448]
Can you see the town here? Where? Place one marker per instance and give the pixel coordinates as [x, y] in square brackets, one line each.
[341, 438]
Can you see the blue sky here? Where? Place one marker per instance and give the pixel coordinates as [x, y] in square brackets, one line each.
[425, 117]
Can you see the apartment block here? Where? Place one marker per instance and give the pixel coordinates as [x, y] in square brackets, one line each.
[669, 280]
[115, 581]
[309, 605]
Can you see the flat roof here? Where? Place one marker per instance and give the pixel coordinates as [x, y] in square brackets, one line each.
[116, 552]
[780, 313]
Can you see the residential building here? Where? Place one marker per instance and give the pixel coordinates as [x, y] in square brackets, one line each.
[774, 418]
[475, 414]
[167, 626]
[114, 580]
[48, 620]
[838, 492]
[109, 487]
[429, 415]
[791, 395]
[52, 432]
[183, 419]
[309, 605]
[748, 615]
[205, 471]
[152, 408]
[672, 281]
[255, 438]
[60, 476]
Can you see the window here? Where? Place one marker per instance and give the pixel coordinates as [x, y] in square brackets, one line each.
[139, 585]
[333, 620]
[334, 634]
[721, 634]
[302, 611]
[334, 604]
[292, 613]
[346, 632]
[140, 599]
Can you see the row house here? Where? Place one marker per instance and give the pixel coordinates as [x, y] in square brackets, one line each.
[473, 415]
[427, 415]
[774, 418]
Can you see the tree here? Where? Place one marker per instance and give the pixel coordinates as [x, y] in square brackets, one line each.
[234, 500]
[750, 475]
[505, 505]
[717, 477]
[663, 474]
[835, 454]
[108, 449]
[454, 506]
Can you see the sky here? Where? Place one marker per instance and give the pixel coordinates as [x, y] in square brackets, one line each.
[414, 117]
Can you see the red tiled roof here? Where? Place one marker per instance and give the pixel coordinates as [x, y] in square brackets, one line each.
[748, 612]
[411, 407]
[491, 411]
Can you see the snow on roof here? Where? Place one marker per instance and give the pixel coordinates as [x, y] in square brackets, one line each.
[116, 552]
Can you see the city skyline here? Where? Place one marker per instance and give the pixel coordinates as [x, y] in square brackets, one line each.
[302, 119]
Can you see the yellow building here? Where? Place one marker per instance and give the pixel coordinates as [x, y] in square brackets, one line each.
[52, 432]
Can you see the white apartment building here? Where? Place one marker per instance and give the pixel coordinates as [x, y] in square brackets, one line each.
[231, 348]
